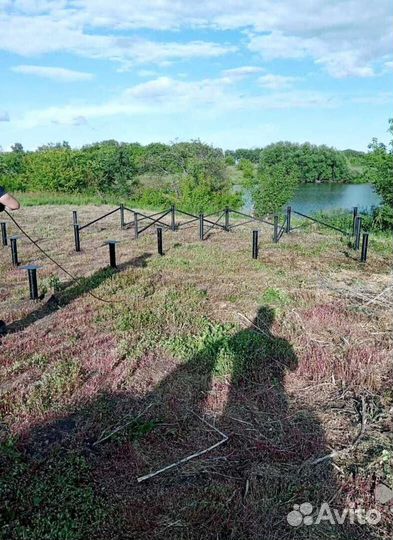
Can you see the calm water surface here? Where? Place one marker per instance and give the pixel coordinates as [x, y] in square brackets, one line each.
[310, 198]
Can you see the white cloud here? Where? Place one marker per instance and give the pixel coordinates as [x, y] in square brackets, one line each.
[49, 33]
[278, 45]
[276, 82]
[54, 73]
[241, 72]
[346, 37]
[165, 95]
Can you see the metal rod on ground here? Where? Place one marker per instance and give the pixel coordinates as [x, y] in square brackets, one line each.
[159, 241]
[112, 252]
[77, 237]
[201, 231]
[355, 213]
[173, 218]
[358, 231]
[33, 284]
[275, 230]
[122, 221]
[227, 219]
[363, 256]
[14, 250]
[136, 225]
[255, 244]
[32, 275]
[4, 239]
[289, 212]
[112, 255]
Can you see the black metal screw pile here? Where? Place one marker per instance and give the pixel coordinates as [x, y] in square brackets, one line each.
[4, 240]
[14, 250]
[363, 256]
[32, 275]
[77, 239]
[289, 213]
[201, 227]
[112, 252]
[255, 246]
[159, 241]
[358, 231]
[275, 228]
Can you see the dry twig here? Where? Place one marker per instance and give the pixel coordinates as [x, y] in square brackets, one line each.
[352, 446]
[119, 428]
[188, 458]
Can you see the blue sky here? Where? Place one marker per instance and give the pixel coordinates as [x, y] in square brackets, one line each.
[233, 74]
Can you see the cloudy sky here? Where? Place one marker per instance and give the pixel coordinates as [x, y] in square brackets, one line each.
[238, 73]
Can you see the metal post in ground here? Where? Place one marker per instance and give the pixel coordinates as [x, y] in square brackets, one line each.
[226, 217]
[201, 227]
[14, 250]
[32, 275]
[74, 217]
[122, 222]
[4, 239]
[173, 218]
[136, 232]
[358, 231]
[275, 229]
[112, 252]
[363, 256]
[289, 213]
[159, 241]
[77, 239]
[355, 213]
[255, 244]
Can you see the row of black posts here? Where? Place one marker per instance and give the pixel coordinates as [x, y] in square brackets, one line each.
[32, 269]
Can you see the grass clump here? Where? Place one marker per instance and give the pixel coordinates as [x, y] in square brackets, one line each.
[276, 297]
[55, 386]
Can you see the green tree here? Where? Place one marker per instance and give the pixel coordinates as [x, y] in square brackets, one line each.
[274, 187]
[248, 170]
[310, 162]
[380, 172]
[17, 148]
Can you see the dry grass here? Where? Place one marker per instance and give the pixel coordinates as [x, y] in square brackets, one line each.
[177, 339]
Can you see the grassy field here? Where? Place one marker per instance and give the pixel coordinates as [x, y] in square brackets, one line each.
[283, 361]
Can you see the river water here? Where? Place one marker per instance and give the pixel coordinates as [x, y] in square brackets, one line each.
[311, 198]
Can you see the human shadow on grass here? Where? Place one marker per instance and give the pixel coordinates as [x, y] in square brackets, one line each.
[72, 290]
[242, 489]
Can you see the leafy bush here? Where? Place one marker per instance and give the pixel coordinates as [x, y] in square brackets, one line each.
[273, 188]
[309, 162]
[381, 175]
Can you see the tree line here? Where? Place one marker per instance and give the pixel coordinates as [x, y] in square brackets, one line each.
[195, 176]
[310, 162]
[192, 175]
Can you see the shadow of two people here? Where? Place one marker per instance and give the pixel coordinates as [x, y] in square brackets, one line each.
[245, 488]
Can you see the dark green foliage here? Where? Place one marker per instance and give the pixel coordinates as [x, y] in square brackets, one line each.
[380, 173]
[190, 174]
[274, 187]
[310, 163]
[358, 164]
[248, 170]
